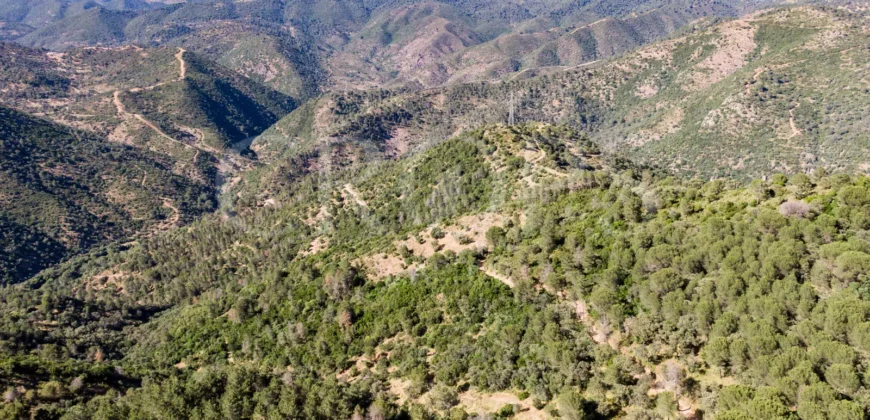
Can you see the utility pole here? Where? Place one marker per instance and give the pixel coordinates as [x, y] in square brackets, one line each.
[511, 120]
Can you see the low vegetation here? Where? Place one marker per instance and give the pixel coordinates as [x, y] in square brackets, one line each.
[631, 294]
[315, 210]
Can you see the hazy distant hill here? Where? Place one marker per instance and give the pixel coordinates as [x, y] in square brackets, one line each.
[39, 13]
[778, 91]
[94, 26]
[430, 44]
[304, 47]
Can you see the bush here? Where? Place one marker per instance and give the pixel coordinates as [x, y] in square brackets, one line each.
[796, 209]
[506, 412]
[51, 390]
[444, 397]
[437, 233]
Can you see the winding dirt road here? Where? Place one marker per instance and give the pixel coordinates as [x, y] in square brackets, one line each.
[122, 109]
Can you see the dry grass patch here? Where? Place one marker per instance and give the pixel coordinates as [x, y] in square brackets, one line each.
[670, 123]
[476, 402]
[317, 245]
[108, 279]
[735, 42]
[380, 266]
[468, 233]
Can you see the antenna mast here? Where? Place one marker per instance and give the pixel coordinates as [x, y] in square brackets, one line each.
[511, 120]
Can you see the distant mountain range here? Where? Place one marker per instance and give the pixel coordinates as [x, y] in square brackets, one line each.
[774, 91]
[304, 47]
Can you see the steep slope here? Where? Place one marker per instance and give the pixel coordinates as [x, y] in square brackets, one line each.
[778, 91]
[506, 271]
[127, 286]
[288, 64]
[64, 191]
[232, 33]
[94, 26]
[434, 45]
[40, 13]
[165, 99]
[10, 31]
[225, 106]
[783, 91]
[408, 44]
[170, 125]
[301, 47]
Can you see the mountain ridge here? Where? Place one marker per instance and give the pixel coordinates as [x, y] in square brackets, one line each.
[395, 209]
[310, 48]
[637, 103]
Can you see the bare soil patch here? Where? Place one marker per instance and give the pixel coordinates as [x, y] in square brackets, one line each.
[469, 232]
[735, 42]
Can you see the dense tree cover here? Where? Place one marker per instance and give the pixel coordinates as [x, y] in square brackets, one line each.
[23, 66]
[67, 188]
[631, 294]
[765, 288]
[65, 191]
[634, 294]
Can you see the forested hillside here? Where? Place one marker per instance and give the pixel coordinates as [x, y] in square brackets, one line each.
[139, 141]
[465, 209]
[167, 100]
[65, 191]
[513, 271]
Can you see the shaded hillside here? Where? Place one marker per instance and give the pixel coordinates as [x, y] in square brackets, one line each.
[140, 97]
[226, 107]
[778, 91]
[10, 31]
[65, 191]
[506, 270]
[138, 111]
[125, 286]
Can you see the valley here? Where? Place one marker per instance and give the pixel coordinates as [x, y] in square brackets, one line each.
[402, 209]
